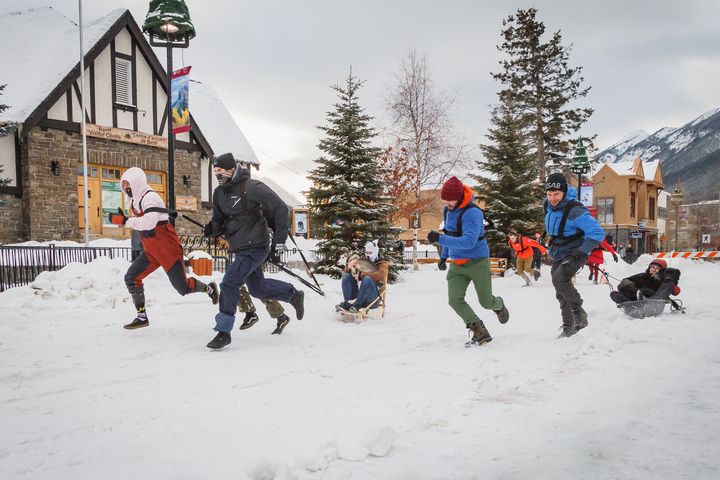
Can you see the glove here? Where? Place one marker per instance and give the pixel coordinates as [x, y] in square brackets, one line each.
[276, 256]
[208, 230]
[433, 236]
[615, 257]
[118, 218]
[442, 264]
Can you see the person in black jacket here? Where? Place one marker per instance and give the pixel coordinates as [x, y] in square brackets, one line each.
[243, 210]
[657, 282]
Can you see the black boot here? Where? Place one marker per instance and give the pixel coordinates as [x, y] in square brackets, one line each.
[298, 303]
[503, 315]
[251, 319]
[213, 292]
[478, 334]
[282, 321]
[222, 339]
[567, 331]
[581, 319]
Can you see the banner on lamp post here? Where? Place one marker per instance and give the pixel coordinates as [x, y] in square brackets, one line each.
[179, 100]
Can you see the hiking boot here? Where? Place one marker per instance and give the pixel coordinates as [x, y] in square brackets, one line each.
[298, 303]
[536, 275]
[137, 323]
[213, 292]
[222, 339]
[503, 315]
[567, 331]
[251, 319]
[581, 319]
[591, 275]
[343, 306]
[282, 321]
[478, 334]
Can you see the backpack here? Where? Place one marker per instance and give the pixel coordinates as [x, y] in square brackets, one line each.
[459, 221]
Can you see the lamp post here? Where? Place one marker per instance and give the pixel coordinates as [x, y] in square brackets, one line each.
[580, 164]
[677, 199]
[168, 24]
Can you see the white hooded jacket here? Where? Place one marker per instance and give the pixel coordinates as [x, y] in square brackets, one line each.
[143, 198]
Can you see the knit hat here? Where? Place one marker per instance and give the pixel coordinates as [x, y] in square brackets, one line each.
[372, 250]
[556, 181]
[453, 189]
[225, 161]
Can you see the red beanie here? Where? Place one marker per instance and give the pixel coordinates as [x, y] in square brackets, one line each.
[453, 189]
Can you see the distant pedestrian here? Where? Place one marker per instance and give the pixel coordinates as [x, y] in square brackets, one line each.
[524, 253]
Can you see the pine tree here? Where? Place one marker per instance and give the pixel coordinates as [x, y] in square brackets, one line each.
[537, 77]
[509, 187]
[346, 197]
[4, 130]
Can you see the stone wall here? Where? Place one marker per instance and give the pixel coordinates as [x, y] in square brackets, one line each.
[51, 201]
[11, 220]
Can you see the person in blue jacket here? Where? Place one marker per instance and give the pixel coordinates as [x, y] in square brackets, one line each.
[463, 241]
[573, 235]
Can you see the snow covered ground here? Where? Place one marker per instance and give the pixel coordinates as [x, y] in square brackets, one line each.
[397, 398]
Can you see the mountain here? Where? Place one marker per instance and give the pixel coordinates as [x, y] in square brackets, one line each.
[689, 154]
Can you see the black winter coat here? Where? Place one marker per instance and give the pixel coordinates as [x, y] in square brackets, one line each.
[242, 210]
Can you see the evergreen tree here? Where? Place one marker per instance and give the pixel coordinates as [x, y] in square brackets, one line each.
[346, 196]
[510, 188]
[537, 78]
[4, 130]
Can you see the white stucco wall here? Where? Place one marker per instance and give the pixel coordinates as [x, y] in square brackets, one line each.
[7, 159]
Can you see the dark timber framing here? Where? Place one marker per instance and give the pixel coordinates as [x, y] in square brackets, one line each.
[112, 81]
[134, 84]
[92, 92]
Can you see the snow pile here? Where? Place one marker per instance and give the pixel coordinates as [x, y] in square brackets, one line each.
[199, 254]
[100, 242]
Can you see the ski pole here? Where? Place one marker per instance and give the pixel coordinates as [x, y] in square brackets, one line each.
[314, 288]
[310, 270]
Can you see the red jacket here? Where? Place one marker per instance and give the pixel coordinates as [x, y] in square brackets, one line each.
[596, 256]
[524, 247]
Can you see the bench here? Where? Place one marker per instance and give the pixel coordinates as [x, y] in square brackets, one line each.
[498, 266]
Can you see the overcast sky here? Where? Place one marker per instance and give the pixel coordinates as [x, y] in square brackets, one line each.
[650, 64]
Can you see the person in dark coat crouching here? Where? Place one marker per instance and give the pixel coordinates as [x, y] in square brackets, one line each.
[241, 209]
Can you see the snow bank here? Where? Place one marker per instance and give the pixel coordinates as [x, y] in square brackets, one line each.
[100, 242]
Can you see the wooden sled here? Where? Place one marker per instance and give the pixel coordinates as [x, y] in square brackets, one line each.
[378, 305]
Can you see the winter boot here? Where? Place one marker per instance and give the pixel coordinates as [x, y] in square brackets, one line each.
[478, 334]
[282, 321]
[298, 303]
[503, 315]
[213, 292]
[251, 319]
[140, 321]
[536, 275]
[591, 275]
[343, 306]
[222, 339]
[581, 319]
[567, 331]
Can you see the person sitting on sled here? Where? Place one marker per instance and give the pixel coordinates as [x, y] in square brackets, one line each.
[160, 245]
[657, 282]
[596, 259]
[370, 283]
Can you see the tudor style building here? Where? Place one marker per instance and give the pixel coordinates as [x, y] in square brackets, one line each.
[126, 126]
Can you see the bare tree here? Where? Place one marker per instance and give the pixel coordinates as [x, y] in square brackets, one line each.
[421, 124]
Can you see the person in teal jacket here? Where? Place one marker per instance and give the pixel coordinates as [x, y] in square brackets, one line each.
[463, 242]
[574, 233]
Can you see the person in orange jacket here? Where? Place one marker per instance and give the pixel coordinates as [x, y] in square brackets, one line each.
[523, 248]
[596, 258]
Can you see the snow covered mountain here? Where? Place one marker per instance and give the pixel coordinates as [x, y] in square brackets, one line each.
[690, 154]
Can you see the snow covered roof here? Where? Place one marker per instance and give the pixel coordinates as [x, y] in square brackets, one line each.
[622, 168]
[650, 168]
[218, 126]
[286, 196]
[40, 46]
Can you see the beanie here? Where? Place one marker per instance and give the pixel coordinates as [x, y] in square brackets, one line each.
[556, 181]
[225, 161]
[453, 189]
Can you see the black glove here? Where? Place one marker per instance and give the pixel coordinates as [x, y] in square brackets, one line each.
[442, 264]
[615, 257]
[433, 236]
[118, 218]
[208, 230]
[276, 256]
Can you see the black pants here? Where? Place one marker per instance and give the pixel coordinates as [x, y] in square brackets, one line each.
[565, 291]
[537, 262]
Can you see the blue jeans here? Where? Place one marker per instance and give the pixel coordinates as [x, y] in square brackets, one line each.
[247, 269]
[365, 295]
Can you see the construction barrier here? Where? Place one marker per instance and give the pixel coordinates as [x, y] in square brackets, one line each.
[691, 255]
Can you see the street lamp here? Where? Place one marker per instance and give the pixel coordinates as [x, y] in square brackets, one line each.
[168, 24]
[580, 164]
[677, 199]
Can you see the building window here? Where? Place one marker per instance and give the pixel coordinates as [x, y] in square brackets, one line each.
[632, 204]
[651, 209]
[606, 210]
[414, 222]
[123, 83]
[662, 213]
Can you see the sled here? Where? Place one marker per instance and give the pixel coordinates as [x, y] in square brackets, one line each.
[366, 312]
[650, 307]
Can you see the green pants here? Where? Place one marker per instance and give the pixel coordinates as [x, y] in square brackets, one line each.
[460, 276]
[246, 304]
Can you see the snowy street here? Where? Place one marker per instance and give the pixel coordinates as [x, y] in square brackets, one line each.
[392, 398]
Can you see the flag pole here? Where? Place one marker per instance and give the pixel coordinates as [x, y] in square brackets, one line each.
[82, 127]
